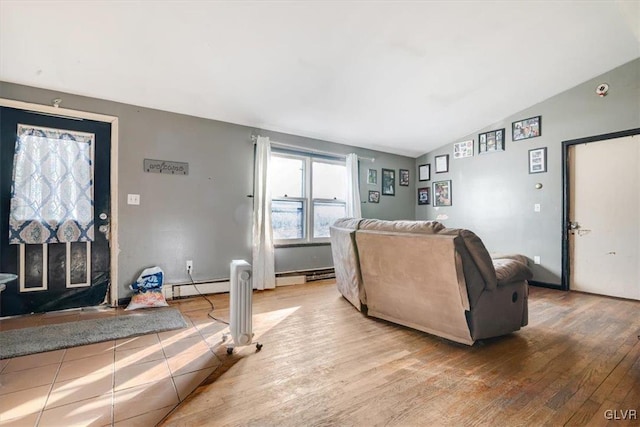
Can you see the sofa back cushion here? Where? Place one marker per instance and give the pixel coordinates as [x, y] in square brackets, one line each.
[348, 223]
[421, 227]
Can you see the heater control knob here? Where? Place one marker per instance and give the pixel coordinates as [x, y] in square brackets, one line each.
[244, 339]
[245, 275]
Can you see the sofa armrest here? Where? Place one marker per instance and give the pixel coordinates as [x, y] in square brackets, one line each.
[509, 270]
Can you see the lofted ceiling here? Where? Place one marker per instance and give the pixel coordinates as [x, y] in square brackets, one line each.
[403, 77]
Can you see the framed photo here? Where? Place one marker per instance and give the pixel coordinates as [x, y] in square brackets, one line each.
[372, 176]
[538, 160]
[424, 172]
[404, 177]
[490, 142]
[442, 193]
[463, 149]
[374, 196]
[423, 196]
[442, 163]
[527, 128]
[388, 182]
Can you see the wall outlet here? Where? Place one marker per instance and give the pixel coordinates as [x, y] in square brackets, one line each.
[133, 199]
[536, 259]
[536, 207]
[190, 266]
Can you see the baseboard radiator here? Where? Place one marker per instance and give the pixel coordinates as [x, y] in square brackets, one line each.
[217, 286]
[303, 276]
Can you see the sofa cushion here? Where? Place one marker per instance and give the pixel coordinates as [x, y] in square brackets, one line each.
[517, 257]
[510, 270]
[420, 227]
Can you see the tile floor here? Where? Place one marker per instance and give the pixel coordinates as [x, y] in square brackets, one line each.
[132, 382]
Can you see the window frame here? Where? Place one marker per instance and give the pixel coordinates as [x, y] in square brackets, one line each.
[303, 199]
[313, 200]
[307, 199]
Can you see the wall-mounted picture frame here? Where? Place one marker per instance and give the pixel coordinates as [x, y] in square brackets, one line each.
[442, 163]
[388, 182]
[442, 193]
[463, 149]
[491, 142]
[374, 196]
[527, 128]
[423, 196]
[424, 172]
[372, 176]
[404, 177]
[538, 160]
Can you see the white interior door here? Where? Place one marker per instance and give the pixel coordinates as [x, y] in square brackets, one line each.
[604, 211]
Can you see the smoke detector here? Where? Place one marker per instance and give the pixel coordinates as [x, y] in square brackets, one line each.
[602, 90]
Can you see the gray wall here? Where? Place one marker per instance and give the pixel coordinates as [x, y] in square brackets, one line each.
[494, 195]
[205, 216]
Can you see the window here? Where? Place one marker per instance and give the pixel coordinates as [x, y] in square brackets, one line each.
[52, 198]
[308, 194]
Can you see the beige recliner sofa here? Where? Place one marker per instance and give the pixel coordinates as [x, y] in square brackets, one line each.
[431, 278]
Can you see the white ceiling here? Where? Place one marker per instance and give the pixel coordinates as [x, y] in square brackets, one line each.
[400, 77]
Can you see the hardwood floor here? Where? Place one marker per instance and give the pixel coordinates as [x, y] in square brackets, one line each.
[324, 363]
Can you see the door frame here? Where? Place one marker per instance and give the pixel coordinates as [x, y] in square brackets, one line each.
[113, 232]
[566, 185]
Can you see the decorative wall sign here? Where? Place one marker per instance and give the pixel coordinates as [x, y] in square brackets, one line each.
[463, 149]
[165, 166]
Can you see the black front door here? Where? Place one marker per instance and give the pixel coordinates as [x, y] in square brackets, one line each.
[61, 168]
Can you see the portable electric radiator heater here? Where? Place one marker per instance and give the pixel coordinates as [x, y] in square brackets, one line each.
[241, 306]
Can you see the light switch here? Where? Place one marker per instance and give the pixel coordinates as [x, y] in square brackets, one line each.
[133, 199]
[536, 207]
[536, 259]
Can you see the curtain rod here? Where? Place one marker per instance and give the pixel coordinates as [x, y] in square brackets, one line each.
[254, 138]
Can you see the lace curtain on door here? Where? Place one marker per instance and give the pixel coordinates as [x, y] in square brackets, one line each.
[52, 192]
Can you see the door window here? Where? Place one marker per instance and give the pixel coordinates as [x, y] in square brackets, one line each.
[52, 191]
